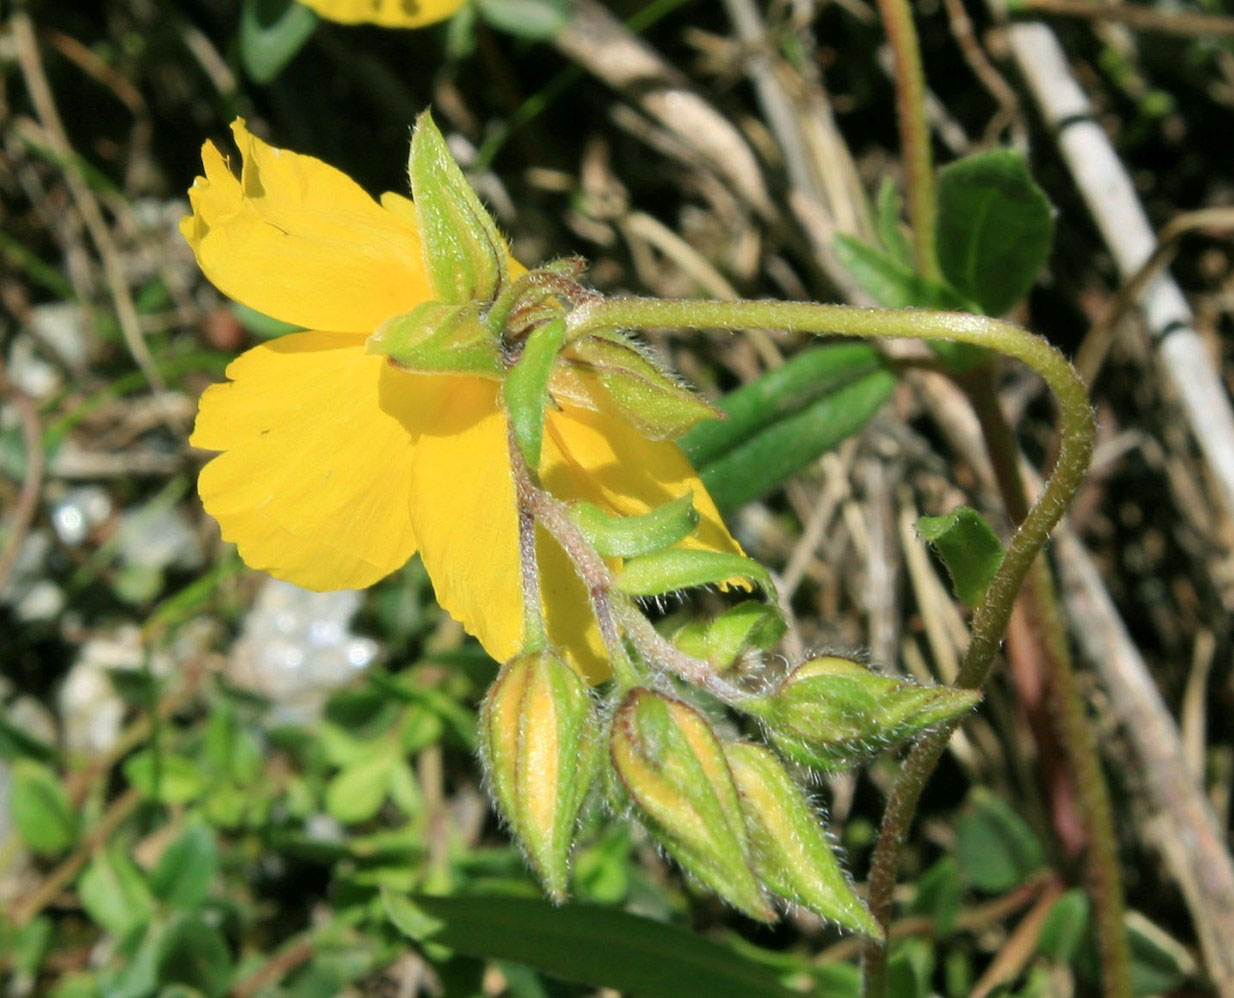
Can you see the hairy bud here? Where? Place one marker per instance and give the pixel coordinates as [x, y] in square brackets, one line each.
[673, 768]
[831, 712]
[540, 752]
[790, 850]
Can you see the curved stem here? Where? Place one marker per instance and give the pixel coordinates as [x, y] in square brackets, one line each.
[1074, 731]
[990, 620]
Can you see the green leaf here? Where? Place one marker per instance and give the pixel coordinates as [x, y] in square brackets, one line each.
[1065, 927]
[525, 389]
[995, 846]
[16, 743]
[534, 20]
[259, 324]
[41, 810]
[770, 457]
[890, 231]
[995, 227]
[1159, 962]
[466, 257]
[355, 794]
[968, 547]
[186, 869]
[272, 32]
[890, 282]
[629, 536]
[782, 392]
[678, 568]
[114, 893]
[601, 947]
[170, 779]
[192, 952]
[26, 947]
[940, 891]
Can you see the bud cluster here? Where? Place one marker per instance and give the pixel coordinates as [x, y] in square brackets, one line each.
[727, 810]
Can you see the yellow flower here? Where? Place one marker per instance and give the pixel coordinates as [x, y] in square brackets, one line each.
[336, 467]
[387, 13]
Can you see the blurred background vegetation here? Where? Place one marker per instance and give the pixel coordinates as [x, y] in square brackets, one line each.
[208, 777]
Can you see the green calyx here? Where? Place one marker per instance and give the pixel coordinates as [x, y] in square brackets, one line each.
[673, 768]
[791, 854]
[540, 753]
[466, 257]
[831, 712]
[610, 373]
[440, 338]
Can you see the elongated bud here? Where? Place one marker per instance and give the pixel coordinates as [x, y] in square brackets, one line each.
[791, 853]
[832, 712]
[673, 768]
[436, 338]
[539, 748]
[466, 257]
[609, 373]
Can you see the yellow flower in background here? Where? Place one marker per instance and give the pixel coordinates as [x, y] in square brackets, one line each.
[336, 466]
[387, 13]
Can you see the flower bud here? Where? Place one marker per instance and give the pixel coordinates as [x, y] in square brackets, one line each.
[790, 853]
[673, 768]
[609, 373]
[464, 254]
[832, 712]
[539, 749]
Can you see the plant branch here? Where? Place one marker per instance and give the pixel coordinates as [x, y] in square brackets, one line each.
[990, 620]
[914, 125]
[1102, 872]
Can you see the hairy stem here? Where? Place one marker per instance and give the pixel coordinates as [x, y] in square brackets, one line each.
[1102, 871]
[990, 620]
[535, 637]
[897, 18]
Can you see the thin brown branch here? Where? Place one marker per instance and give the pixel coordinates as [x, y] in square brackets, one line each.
[1137, 16]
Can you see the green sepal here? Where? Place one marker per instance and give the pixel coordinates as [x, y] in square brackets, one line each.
[541, 755]
[831, 712]
[439, 338]
[630, 536]
[968, 547]
[791, 854]
[525, 390]
[682, 568]
[720, 641]
[608, 372]
[672, 766]
[464, 254]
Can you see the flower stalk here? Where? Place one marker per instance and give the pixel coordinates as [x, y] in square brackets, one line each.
[897, 17]
[990, 620]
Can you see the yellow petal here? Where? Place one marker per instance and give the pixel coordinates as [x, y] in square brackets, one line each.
[300, 241]
[464, 512]
[387, 13]
[314, 481]
[592, 456]
[466, 522]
